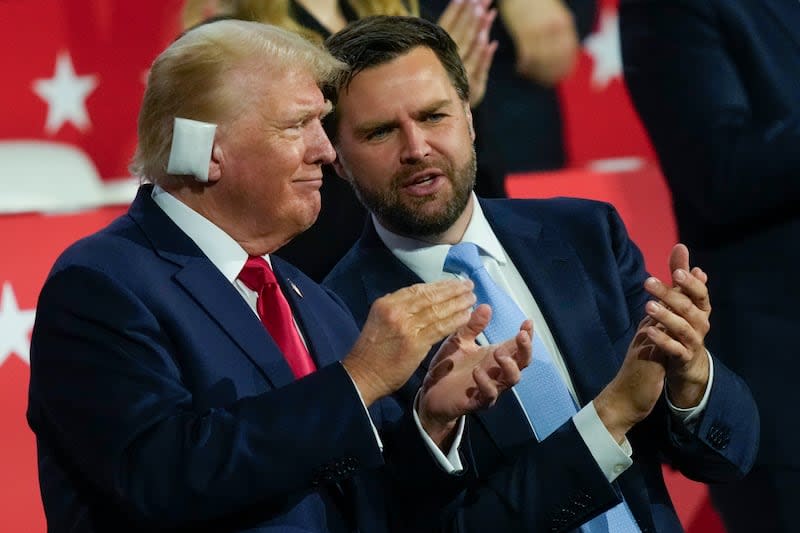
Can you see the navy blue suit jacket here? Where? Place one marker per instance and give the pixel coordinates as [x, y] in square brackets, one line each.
[717, 85]
[587, 277]
[159, 401]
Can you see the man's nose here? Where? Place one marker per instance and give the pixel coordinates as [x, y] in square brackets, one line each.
[416, 145]
[320, 150]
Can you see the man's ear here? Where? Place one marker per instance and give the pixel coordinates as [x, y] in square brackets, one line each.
[216, 164]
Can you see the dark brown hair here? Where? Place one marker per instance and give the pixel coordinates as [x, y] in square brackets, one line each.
[373, 41]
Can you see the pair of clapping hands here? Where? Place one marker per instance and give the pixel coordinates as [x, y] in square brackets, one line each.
[464, 376]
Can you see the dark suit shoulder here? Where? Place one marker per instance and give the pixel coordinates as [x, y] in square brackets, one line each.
[116, 248]
[558, 207]
[572, 219]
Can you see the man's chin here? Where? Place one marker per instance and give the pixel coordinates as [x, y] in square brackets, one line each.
[308, 218]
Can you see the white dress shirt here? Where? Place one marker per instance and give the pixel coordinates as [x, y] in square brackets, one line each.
[427, 261]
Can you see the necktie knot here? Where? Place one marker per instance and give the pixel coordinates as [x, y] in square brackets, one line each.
[463, 257]
[257, 274]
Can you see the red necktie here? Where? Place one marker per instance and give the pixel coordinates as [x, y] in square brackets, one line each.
[276, 315]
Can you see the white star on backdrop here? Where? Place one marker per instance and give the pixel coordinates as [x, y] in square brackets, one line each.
[65, 94]
[15, 325]
[604, 48]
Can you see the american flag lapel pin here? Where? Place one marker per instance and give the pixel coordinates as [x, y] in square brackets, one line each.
[295, 289]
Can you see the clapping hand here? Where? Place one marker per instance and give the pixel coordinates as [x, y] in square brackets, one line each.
[468, 22]
[464, 376]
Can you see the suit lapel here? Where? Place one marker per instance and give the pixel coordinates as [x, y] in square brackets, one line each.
[210, 289]
[555, 276]
[386, 273]
[316, 336]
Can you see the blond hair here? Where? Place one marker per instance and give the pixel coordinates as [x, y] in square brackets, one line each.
[193, 78]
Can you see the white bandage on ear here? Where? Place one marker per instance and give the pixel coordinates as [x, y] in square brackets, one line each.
[190, 153]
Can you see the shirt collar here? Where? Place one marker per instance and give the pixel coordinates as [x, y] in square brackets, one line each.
[427, 260]
[221, 249]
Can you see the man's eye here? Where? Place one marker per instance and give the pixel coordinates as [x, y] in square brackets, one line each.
[377, 134]
[435, 117]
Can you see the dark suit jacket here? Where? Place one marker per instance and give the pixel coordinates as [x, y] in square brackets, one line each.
[159, 401]
[587, 277]
[717, 84]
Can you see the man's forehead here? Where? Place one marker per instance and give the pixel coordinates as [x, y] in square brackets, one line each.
[420, 64]
[379, 94]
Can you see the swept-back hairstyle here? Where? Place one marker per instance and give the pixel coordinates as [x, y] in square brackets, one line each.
[196, 78]
[373, 41]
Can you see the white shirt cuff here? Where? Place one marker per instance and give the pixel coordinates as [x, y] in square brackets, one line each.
[450, 463]
[612, 458]
[690, 416]
[378, 440]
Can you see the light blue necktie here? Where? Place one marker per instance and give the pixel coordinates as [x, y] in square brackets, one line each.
[541, 390]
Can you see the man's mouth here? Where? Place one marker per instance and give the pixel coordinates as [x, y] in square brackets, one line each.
[424, 182]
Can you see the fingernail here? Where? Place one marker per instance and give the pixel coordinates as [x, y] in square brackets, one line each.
[679, 275]
[651, 282]
[653, 307]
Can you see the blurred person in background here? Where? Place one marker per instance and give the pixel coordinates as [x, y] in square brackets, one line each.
[717, 85]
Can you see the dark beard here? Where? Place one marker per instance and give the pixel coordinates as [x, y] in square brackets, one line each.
[409, 220]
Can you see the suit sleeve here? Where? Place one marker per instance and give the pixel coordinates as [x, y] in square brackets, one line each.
[107, 393]
[728, 162]
[553, 485]
[723, 446]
